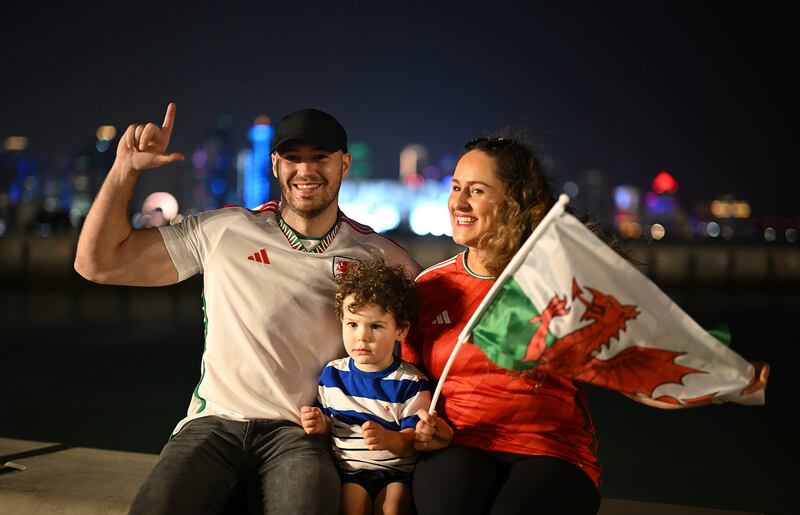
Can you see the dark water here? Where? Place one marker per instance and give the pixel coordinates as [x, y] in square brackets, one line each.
[114, 368]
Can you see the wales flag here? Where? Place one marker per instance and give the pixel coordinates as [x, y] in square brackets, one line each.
[569, 304]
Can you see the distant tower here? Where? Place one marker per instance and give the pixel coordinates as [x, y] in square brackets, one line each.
[361, 165]
[257, 169]
[211, 168]
[413, 159]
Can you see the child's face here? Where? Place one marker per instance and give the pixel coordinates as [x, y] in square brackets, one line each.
[369, 335]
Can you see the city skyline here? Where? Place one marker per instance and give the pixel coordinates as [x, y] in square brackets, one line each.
[700, 91]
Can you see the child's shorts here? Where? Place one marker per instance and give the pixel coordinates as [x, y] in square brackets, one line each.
[374, 481]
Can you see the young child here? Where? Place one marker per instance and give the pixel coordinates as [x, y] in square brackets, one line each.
[369, 400]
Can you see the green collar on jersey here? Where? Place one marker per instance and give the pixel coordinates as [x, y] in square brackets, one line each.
[295, 240]
[469, 270]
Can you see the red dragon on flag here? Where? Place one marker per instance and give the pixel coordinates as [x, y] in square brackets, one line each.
[633, 370]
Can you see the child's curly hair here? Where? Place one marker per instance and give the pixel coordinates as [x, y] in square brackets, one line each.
[375, 282]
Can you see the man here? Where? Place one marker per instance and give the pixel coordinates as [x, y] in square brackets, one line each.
[269, 317]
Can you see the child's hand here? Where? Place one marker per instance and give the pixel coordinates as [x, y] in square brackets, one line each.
[431, 433]
[376, 436]
[314, 422]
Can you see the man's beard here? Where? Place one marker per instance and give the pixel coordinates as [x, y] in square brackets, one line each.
[313, 210]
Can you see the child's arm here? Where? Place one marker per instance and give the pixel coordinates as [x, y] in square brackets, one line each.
[314, 422]
[378, 438]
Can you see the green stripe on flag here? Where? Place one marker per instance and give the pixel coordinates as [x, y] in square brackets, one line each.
[504, 329]
[722, 333]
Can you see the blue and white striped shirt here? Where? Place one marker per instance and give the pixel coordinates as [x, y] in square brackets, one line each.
[390, 397]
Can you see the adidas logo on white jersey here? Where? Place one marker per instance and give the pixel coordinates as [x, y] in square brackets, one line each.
[260, 257]
[442, 318]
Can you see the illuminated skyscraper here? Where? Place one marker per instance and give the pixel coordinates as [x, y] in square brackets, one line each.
[257, 169]
[413, 159]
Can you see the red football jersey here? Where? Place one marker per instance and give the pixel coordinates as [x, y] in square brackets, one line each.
[490, 407]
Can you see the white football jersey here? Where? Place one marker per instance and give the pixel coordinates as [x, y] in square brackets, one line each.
[270, 325]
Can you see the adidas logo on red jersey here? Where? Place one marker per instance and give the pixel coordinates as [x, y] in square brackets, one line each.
[443, 318]
[260, 257]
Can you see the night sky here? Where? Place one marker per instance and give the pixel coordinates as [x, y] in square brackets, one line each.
[702, 91]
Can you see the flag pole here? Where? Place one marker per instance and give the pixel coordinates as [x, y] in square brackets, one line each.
[512, 267]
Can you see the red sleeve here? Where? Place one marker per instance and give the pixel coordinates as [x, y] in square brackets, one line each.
[411, 348]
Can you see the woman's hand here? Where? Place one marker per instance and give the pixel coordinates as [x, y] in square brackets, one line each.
[759, 382]
[431, 433]
[760, 378]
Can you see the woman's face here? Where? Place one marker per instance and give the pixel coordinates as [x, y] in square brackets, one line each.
[475, 194]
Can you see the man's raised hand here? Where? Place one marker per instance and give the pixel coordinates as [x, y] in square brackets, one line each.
[145, 146]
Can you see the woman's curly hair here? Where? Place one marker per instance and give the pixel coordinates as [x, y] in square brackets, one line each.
[375, 282]
[529, 197]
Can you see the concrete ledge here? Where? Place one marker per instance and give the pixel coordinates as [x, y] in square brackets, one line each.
[84, 481]
[79, 481]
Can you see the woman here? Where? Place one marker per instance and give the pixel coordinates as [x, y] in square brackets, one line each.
[521, 443]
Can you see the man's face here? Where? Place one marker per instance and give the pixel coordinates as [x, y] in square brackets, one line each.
[309, 176]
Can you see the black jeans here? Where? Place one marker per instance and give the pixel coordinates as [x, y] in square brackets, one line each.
[464, 480]
[205, 462]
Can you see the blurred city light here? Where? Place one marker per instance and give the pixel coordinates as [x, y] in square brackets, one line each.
[200, 158]
[664, 183]
[258, 168]
[571, 189]
[430, 218]
[657, 231]
[414, 181]
[158, 209]
[659, 204]
[626, 198]
[80, 183]
[413, 159]
[360, 165]
[218, 186]
[712, 228]
[106, 132]
[17, 143]
[359, 150]
[631, 230]
[730, 209]
[379, 204]
[741, 210]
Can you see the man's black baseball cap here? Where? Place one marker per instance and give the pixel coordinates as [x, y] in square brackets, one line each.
[310, 125]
